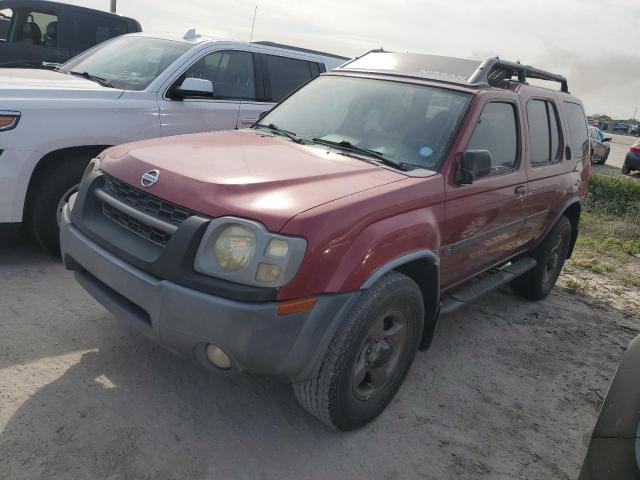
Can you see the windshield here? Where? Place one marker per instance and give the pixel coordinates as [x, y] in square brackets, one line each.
[404, 122]
[130, 63]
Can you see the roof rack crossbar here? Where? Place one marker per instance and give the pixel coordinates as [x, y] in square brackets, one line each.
[489, 73]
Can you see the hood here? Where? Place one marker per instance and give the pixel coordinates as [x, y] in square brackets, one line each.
[244, 173]
[42, 83]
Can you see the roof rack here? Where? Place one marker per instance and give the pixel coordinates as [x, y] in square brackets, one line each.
[473, 73]
[494, 70]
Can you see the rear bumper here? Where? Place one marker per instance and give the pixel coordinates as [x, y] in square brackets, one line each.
[184, 320]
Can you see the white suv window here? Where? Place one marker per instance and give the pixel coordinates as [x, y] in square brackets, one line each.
[230, 72]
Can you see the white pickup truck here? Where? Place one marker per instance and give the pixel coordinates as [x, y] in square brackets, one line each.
[129, 88]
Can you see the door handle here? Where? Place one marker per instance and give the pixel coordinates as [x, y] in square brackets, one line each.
[520, 190]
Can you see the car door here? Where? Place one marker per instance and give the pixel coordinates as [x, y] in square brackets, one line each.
[232, 74]
[29, 40]
[484, 220]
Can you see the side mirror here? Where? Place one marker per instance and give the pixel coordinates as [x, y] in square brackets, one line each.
[194, 87]
[607, 139]
[474, 164]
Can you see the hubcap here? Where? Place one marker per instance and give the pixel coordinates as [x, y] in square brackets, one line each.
[64, 199]
[379, 355]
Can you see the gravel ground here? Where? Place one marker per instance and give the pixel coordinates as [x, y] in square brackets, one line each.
[510, 389]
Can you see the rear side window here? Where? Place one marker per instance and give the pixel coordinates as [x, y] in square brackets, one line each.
[230, 71]
[578, 138]
[5, 22]
[93, 29]
[497, 131]
[287, 74]
[544, 132]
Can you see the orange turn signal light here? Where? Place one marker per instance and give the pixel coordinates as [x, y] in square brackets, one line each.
[296, 306]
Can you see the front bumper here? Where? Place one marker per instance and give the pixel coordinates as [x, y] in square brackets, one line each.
[184, 320]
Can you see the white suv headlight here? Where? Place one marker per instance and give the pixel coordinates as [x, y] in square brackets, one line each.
[244, 251]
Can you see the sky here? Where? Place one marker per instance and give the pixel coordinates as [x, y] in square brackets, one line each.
[591, 42]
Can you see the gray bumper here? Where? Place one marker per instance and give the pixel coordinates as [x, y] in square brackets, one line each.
[184, 320]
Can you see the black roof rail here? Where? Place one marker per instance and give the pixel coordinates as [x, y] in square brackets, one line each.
[494, 70]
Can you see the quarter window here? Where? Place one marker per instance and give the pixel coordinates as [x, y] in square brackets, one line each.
[497, 132]
[577, 122]
[230, 72]
[544, 132]
[287, 74]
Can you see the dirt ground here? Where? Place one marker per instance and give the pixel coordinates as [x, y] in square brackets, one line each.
[510, 390]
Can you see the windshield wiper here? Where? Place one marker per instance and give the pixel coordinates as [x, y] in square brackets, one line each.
[274, 128]
[350, 147]
[99, 80]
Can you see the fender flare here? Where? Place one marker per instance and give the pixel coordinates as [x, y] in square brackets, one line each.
[429, 283]
[575, 225]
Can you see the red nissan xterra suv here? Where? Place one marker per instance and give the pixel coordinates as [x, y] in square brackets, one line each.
[321, 245]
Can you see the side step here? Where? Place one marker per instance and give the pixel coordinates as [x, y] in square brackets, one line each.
[471, 292]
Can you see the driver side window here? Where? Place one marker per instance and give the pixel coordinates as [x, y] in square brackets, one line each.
[497, 132]
[231, 73]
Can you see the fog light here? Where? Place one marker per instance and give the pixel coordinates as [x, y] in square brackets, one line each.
[218, 357]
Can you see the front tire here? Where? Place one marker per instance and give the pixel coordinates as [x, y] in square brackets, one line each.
[369, 356]
[550, 255]
[51, 189]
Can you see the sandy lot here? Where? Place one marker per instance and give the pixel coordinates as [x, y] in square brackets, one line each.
[510, 389]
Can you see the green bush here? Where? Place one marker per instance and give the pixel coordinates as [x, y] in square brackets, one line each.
[611, 196]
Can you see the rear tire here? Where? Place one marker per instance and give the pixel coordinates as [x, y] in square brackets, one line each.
[550, 255]
[52, 187]
[625, 168]
[369, 356]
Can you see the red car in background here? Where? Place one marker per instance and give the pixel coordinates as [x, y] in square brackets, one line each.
[321, 245]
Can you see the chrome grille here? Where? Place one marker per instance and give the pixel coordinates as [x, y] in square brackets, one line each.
[150, 205]
[146, 203]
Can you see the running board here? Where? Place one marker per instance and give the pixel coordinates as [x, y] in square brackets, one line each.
[471, 292]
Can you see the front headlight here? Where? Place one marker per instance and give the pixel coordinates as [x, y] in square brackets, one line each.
[8, 120]
[244, 251]
[235, 247]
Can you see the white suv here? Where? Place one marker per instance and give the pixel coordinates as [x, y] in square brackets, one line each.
[132, 87]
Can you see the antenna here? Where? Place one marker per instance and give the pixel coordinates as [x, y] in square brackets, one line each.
[253, 24]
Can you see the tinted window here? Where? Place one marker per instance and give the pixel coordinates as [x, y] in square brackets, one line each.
[5, 23]
[544, 134]
[578, 139]
[286, 74]
[93, 29]
[31, 27]
[411, 123]
[496, 131]
[231, 73]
